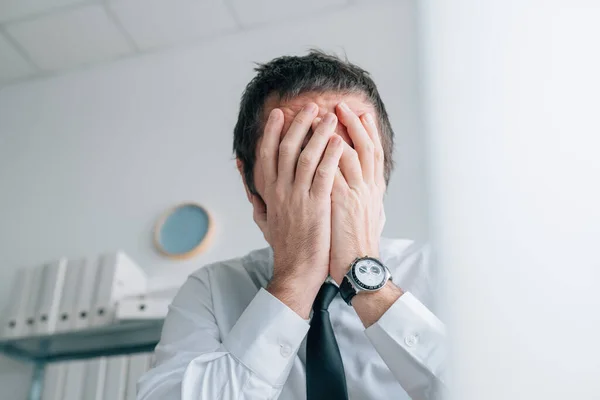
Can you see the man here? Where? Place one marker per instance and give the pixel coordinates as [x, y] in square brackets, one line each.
[314, 147]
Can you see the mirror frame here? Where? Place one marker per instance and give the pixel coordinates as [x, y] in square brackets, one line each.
[198, 249]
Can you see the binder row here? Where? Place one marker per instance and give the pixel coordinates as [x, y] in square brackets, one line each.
[70, 294]
[103, 378]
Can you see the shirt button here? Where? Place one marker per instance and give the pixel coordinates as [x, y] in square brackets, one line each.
[285, 350]
[411, 340]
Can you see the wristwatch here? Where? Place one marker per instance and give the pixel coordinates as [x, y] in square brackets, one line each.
[366, 274]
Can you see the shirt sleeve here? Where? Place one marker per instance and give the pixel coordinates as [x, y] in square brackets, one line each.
[411, 341]
[252, 361]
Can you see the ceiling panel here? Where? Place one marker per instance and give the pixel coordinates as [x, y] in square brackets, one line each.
[12, 65]
[263, 11]
[74, 37]
[153, 23]
[16, 9]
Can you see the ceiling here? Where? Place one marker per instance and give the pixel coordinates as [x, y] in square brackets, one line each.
[43, 37]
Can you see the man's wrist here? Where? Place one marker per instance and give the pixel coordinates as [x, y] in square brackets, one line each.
[343, 266]
[298, 294]
[370, 306]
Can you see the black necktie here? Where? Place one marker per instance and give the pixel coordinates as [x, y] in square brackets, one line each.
[325, 377]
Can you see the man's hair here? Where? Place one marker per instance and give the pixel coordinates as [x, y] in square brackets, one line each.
[291, 76]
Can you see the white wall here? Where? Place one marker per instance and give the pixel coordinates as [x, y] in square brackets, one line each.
[90, 159]
[513, 117]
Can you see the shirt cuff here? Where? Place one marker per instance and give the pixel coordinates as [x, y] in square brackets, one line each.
[409, 326]
[266, 337]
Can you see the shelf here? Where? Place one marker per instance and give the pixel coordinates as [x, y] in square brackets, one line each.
[123, 338]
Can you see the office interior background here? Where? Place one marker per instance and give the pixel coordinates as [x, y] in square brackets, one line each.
[111, 112]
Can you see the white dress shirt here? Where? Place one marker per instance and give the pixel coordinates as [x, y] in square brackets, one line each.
[226, 337]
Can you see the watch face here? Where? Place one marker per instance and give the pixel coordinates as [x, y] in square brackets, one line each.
[369, 273]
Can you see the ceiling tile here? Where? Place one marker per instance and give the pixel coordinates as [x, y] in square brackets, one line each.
[74, 37]
[12, 65]
[16, 9]
[153, 23]
[262, 11]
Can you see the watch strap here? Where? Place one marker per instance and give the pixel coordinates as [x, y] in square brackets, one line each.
[347, 290]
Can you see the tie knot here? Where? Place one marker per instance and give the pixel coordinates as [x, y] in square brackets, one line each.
[325, 296]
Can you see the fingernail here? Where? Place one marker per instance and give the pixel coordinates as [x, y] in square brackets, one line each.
[329, 118]
[310, 107]
[317, 121]
[273, 114]
[369, 119]
[344, 106]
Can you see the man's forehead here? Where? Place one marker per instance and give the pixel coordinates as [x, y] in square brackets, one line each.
[326, 102]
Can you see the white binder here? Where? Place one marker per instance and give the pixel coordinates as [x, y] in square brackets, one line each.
[54, 381]
[33, 296]
[53, 275]
[74, 380]
[14, 315]
[68, 298]
[138, 365]
[86, 294]
[119, 277]
[142, 308]
[115, 384]
[95, 378]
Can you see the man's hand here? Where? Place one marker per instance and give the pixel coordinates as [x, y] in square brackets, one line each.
[357, 211]
[357, 196]
[296, 215]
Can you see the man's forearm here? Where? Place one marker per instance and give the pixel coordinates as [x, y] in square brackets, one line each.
[370, 306]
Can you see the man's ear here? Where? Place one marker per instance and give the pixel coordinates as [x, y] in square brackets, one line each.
[240, 167]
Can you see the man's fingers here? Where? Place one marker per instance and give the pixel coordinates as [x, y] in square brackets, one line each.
[269, 147]
[289, 149]
[350, 166]
[325, 173]
[313, 152]
[315, 124]
[362, 142]
[371, 128]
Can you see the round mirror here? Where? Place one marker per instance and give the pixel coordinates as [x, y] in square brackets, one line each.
[183, 231]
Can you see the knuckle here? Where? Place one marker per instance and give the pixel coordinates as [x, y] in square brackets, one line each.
[369, 147]
[301, 118]
[263, 153]
[355, 121]
[305, 160]
[326, 138]
[379, 155]
[323, 132]
[322, 172]
[269, 183]
[285, 149]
